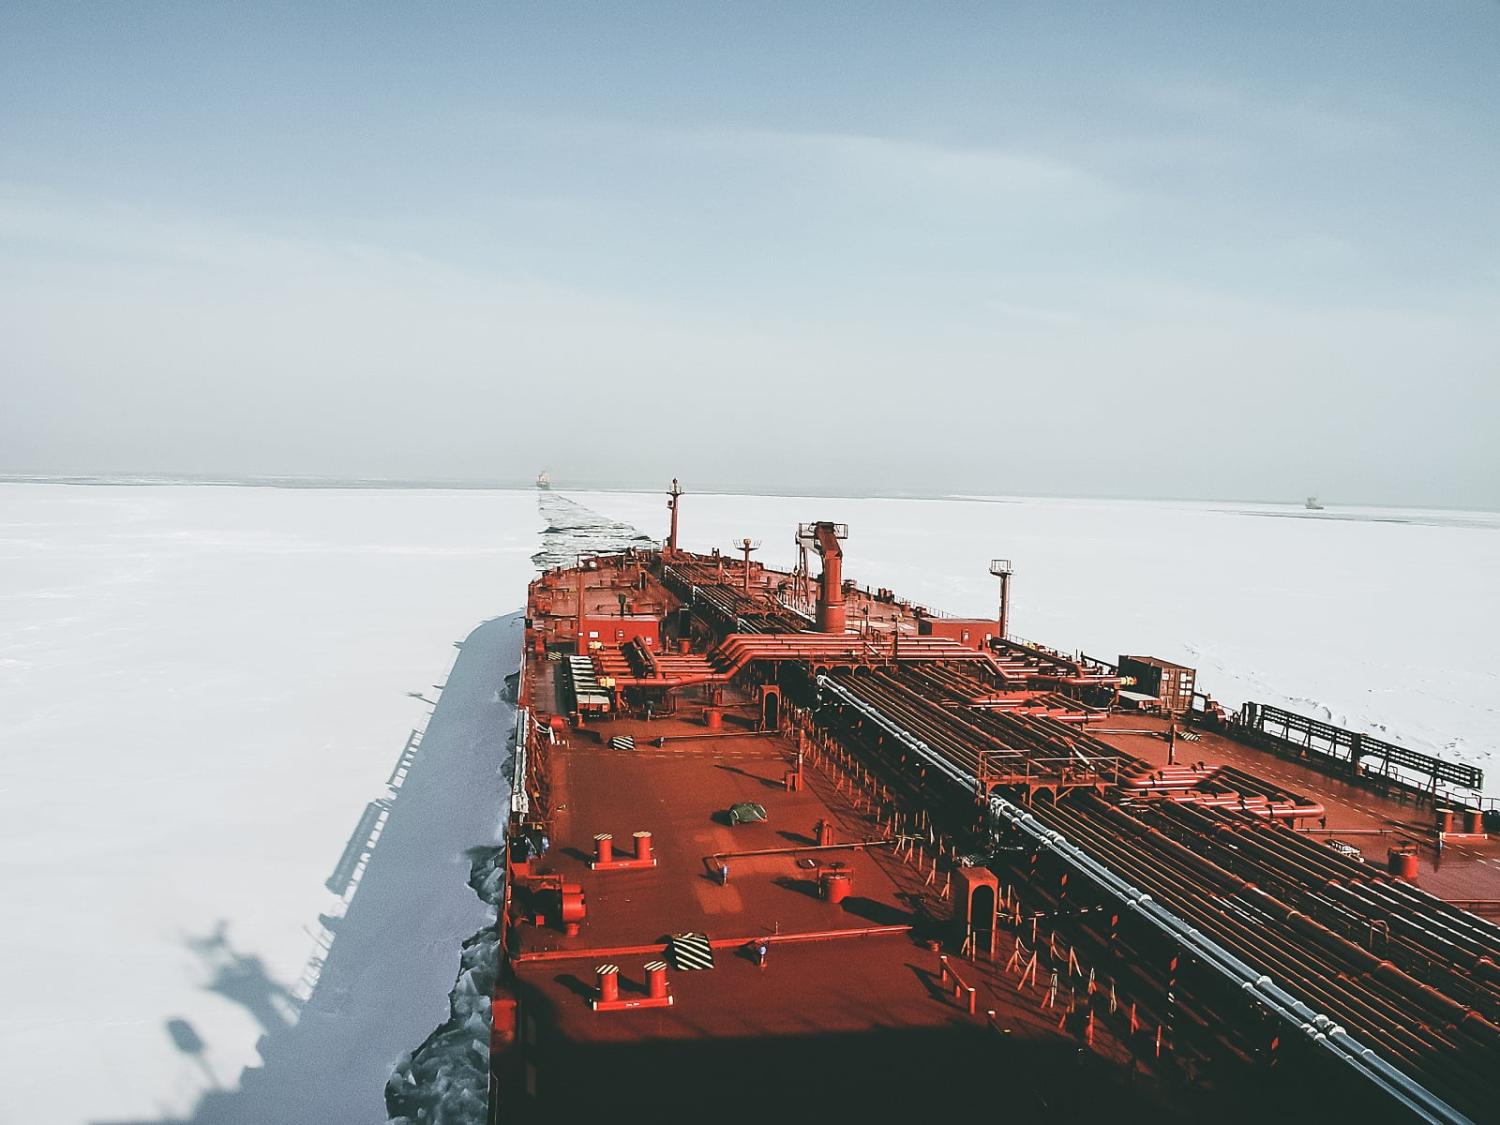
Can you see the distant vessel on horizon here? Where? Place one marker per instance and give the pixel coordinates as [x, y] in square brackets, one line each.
[543, 480]
[1312, 504]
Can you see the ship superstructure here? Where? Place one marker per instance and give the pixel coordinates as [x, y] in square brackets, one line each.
[782, 847]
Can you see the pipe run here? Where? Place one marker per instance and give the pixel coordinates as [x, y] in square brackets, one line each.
[802, 849]
[1320, 1028]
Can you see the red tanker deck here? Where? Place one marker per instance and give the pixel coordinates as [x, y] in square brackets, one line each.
[782, 848]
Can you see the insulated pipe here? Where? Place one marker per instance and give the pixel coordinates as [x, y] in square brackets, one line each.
[1324, 1032]
[1444, 945]
[1400, 981]
[1384, 1015]
[1247, 938]
[1407, 989]
[1434, 926]
[1424, 919]
[1384, 1011]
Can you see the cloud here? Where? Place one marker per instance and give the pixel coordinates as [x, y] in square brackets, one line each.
[944, 169]
[846, 162]
[1036, 314]
[1260, 118]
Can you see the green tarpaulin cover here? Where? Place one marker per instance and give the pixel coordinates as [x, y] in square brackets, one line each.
[745, 812]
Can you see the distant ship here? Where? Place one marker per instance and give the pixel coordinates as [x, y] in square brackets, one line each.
[1312, 504]
[543, 480]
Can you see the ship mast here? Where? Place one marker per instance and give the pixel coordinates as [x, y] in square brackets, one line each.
[746, 546]
[1002, 570]
[673, 496]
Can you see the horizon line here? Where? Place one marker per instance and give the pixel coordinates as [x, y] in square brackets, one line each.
[470, 484]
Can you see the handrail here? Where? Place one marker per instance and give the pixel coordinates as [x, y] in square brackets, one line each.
[520, 804]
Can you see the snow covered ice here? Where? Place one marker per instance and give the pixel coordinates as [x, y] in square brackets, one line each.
[201, 692]
[205, 691]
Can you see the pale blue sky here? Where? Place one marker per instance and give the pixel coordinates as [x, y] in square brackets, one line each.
[1212, 250]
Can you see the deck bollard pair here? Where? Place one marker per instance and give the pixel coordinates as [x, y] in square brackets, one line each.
[604, 853]
[609, 999]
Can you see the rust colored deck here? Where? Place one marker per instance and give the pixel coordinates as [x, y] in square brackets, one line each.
[833, 1002]
[826, 970]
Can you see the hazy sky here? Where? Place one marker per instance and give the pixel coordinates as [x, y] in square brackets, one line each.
[1239, 250]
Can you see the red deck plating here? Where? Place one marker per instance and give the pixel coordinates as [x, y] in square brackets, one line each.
[874, 922]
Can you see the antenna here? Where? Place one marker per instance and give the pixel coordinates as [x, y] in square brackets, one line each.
[747, 545]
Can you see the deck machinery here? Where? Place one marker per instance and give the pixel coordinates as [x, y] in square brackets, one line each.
[967, 880]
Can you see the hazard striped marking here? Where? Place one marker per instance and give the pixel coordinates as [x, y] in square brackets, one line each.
[690, 951]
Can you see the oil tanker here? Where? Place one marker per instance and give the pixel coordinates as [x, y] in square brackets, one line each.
[783, 847]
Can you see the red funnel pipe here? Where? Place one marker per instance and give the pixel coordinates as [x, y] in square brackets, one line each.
[831, 593]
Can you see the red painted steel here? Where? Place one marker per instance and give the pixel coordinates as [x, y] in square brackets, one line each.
[674, 502]
[609, 983]
[835, 884]
[652, 948]
[1199, 822]
[656, 979]
[830, 610]
[1403, 864]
